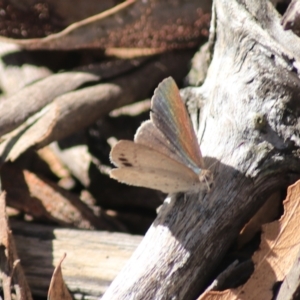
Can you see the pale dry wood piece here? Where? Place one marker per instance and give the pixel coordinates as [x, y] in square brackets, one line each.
[34, 97]
[200, 64]
[19, 68]
[249, 131]
[54, 163]
[12, 277]
[13, 78]
[132, 109]
[94, 258]
[77, 158]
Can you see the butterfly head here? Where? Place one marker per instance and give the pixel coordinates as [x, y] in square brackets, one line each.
[206, 178]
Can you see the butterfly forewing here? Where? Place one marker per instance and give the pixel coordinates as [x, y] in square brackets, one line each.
[170, 116]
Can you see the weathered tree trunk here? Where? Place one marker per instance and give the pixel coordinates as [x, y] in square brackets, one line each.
[249, 133]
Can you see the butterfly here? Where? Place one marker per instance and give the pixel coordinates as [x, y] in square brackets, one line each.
[165, 154]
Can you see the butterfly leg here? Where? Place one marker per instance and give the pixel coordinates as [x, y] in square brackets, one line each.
[185, 198]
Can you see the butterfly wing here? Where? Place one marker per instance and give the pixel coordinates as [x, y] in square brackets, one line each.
[170, 116]
[148, 135]
[140, 165]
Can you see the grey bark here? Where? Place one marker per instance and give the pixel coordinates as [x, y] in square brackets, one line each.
[249, 134]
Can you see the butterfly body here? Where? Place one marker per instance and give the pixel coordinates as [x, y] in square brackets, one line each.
[165, 154]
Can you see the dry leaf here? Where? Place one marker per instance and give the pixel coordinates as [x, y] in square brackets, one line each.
[289, 290]
[267, 213]
[277, 252]
[12, 278]
[58, 289]
[54, 163]
[133, 24]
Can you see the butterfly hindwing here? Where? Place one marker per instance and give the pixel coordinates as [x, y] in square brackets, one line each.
[165, 181]
[140, 165]
[148, 135]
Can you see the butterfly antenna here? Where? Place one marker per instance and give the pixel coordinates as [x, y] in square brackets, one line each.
[213, 164]
[208, 187]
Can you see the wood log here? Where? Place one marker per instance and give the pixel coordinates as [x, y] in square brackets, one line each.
[94, 258]
[249, 133]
